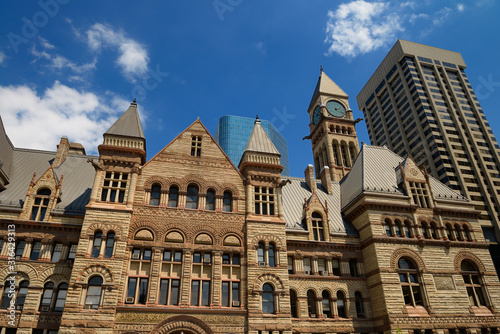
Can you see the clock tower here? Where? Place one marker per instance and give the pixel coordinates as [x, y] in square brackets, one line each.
[332, 129]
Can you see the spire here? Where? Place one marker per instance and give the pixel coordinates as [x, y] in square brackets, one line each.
[326, 86]
[129, 124]
[259, 140]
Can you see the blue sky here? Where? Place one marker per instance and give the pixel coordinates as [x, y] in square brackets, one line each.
[70, 68]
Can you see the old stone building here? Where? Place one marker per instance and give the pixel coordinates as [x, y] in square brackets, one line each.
[186, 242]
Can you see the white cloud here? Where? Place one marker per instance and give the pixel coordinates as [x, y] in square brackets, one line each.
[2, 57]
[58, 62]
[414, 17]
[359, 27]
[40, 120]
[45, 43]
[132, 58]
[410, 4]
[442, 15]
[460, 7]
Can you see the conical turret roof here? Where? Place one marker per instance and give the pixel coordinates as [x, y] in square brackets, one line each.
[129, 124]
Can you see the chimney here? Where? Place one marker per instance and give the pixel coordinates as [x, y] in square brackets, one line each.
[62, 151]
[326, 180]
[309, 175]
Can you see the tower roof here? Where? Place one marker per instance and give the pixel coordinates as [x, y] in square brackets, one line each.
[326, 86]
[259, 140]
[129, 124]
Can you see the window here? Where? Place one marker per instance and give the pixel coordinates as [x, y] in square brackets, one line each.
[420, 194]
[387, 226]
[358, 300]
[200, 296]
[72, 252]
[267, 298]
[192, 197]
[210, 200]
[227, 202]
[21, 294]
[271, 255]
[325, 303]
[195, 146]
[20, 249]
[155, 195]
[8, 288]
[473, 284]
[264, 201]
[307, 265]
[56, 254]
[113, 188]
[434, 231]
[169, 287]
[94, 292]
[321, 267]
[317, 227]
[467, 233]
[260, 254]
[410, 282]
[173, 195]
[397, 228]
[62, 291]
[341, 309]
[96, 245]
[48, 292]
[311, 304]
[336, 267]
[171, 271]
[353, 267]
[290, 264]
[137, 293]
[231, 274]
[110, 243]
[293, 304]
[41, 204]
[35, 250]
[202, 275]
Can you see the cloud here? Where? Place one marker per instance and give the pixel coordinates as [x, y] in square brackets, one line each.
[132, 58]
[460, 7]
[260, 47]
[414, 17]
[58, 62]
[39, 120]
[442, 15]
[359, 27]
[45, 43]
[2, 57]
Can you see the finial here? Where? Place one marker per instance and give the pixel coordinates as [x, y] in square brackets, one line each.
[257, 120]
[321, 68]
[256, 116]
[135, 101]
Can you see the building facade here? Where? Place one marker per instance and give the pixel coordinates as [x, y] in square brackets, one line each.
[420, 102]
[186, 242]
[233, 132]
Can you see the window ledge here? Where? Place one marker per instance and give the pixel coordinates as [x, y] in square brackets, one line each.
[416, 311]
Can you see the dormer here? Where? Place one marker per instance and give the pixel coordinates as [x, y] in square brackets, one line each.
[415, 182]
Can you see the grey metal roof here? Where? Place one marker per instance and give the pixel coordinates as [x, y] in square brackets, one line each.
[6, 149]
[375, 170]
[75, 188]
[259, 140]
[293, 205]
[129, 124]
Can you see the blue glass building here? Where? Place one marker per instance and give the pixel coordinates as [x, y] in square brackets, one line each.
[233, 132]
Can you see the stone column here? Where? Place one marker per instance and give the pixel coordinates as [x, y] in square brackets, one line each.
[216, 278]
[185, 283]
[156, 258]
[314, 265]
[46, 250]
[27, 248]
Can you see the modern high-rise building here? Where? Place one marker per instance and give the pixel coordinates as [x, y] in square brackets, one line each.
[419, 102]
[233, 132]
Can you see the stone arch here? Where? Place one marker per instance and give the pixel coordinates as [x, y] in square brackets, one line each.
[56, 279]
[231, 240]
[182, 322]
[63, 274]
[155, 179]
[231, 188]
[406, 252]
[173, 182]
[175, 236]
[144, 234]
[465, 255]
[322, 213]
[105, 228]
[22, 269]
[136, 226]
[101, 270]
[197, 180]
[268, 278]
[204, 238]
[204, 229]
[267, 239]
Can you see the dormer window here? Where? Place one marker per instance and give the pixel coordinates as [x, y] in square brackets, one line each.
[195, 146]
[113, 188]
[317, 227]
[41, 204]
[420, 194]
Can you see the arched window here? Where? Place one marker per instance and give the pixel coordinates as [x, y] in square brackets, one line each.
[62, 291]
[425, 230]
[6, 294]
[325, 303]
[48, 292]
[21, 294]
[343, 150]
[96, 246]
[473, 283]
[353, 267]
[155, 195]
[210, 200]
[41, 204]
[387, 227]
[311, 304]
[458, 233]
[449, 232]
[336, 154]
[467, 233]
[341, 309]
[267, 298]
[271, 255]
[317, 227]
[293, 304]
[260, 254]
[407, 229]
[410, 282]
[397, 228]
[358, 300]
[434, 231]
[110, 243]
[173, 196]
[192, 197]
[227, 202]
[94, 292]
[352, 151]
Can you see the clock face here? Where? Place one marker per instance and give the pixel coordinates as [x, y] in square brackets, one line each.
[316, 115]
[335, 108]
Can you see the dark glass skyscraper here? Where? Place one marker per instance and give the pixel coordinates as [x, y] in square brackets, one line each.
[233, 132]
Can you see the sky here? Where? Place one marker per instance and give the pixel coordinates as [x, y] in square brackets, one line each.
[71, 68]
